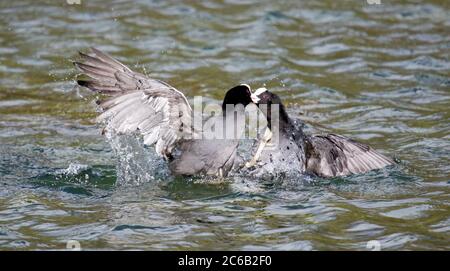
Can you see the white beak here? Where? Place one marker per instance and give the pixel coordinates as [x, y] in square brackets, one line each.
[255, 94]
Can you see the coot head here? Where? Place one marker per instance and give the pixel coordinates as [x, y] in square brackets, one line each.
[264, 99]
[263, 96]
[240, 94]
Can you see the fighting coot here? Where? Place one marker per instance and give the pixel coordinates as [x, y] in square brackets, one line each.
[162, 115]
[164, 118]
[322, 155]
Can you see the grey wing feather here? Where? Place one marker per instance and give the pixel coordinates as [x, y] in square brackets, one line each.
[137, 103]
[334, 155]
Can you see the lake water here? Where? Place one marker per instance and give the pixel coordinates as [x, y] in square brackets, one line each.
[377, 73]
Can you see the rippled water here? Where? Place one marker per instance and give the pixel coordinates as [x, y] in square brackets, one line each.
[377, 73]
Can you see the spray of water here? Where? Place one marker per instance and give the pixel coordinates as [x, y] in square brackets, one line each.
[136, 163]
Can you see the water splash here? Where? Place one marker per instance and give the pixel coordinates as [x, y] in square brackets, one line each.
[73, 169]
[136, 163]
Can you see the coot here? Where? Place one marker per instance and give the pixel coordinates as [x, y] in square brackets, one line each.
[322, 155]
[161, 114]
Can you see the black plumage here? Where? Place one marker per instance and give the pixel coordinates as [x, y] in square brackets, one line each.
[322, 155]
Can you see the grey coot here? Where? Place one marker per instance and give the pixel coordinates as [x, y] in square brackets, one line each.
[161, 114]
[322, 155]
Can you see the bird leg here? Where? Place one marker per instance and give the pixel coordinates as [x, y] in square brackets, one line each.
[262, 143]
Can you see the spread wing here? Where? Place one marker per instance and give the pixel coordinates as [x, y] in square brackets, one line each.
[334, 155]
[136, 103]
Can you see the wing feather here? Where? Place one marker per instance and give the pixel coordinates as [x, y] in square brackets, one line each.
[335, 155]
[136, 102]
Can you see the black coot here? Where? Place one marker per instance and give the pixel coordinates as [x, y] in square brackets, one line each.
[322, 155]
[161, 114]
